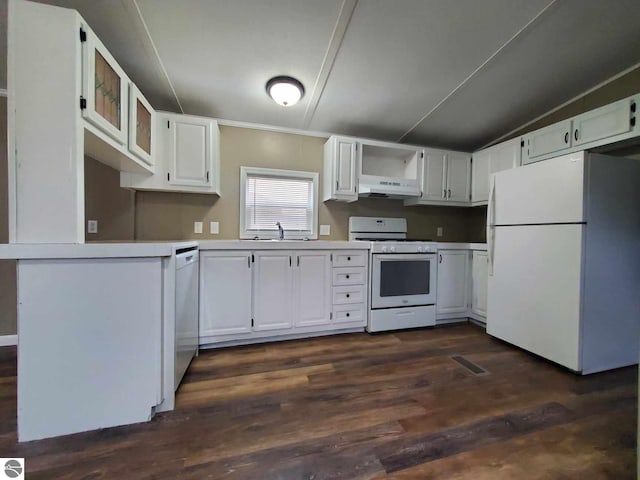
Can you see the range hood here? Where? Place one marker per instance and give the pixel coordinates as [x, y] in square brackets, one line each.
[387, 187]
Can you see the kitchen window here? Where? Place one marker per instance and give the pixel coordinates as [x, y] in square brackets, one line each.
[268, 196]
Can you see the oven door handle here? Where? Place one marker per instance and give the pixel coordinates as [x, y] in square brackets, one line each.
[404, 256]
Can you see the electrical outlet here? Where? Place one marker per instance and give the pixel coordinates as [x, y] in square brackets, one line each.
[92, 226]
[439, 231]
[197, 227]
[325, 229]
[214, 228]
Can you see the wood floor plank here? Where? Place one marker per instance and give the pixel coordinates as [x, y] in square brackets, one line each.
[275, 434]
[332, 456]
[593, 448]
[411, 451]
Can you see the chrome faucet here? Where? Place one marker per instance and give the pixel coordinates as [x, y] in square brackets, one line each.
[280, 231]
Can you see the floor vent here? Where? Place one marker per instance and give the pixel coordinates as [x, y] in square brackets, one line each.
[469, 365]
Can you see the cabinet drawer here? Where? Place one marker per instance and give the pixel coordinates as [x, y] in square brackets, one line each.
[350, 258]
[350, 294]
[349, 276]
[349, 313]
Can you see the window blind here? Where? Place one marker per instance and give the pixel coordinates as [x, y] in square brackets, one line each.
[270, 199]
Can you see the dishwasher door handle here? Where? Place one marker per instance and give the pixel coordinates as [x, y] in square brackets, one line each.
[184, 259]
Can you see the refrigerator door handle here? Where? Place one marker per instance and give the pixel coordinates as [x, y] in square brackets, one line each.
[490, 226]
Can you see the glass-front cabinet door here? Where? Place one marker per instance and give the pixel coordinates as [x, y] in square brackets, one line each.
[141, 121]
[105, 87]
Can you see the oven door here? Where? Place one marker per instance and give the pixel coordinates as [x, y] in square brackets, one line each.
[400, 280]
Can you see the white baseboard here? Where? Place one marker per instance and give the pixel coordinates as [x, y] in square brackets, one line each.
[8, 340]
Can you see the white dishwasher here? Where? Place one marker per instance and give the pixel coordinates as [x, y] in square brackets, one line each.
[186, 332]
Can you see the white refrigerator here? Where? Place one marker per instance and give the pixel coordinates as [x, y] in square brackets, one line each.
[564, 260]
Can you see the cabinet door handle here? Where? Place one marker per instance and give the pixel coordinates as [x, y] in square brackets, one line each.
[566, 137]
[444, 193]
[347, 276]
[449, 193]
[575, 134]
[349, 259]
[298, 261]
[289, 260]
[348, 314]
[348, 295]
[249, 261]
[440, 255]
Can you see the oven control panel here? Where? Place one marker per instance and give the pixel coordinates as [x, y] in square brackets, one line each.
[403, 247]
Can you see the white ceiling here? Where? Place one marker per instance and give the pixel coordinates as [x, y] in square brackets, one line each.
[450, 73]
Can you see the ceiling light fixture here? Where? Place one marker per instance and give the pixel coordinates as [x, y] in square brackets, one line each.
[285, 91]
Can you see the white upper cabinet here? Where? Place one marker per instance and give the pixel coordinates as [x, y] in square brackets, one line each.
[104, 89]
[445, 178]
[190, 152]
[610, 120]
[480, 177]
[187, 154]
[554, 139]
[458, 177]
[341, 160]
[451, 294]
[609, 124]
[225, 294]
[312, 288]
[141, 125]
[434, 182]
[491, 160]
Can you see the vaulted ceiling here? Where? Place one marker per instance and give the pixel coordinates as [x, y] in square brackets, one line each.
[449, 73]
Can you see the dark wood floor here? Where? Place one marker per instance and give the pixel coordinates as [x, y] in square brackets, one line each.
[387, 406]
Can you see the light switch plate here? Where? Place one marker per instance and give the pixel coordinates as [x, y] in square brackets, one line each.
[439, 231]
[92, 226]
[197, 227]
[214, 228]
[325, 229]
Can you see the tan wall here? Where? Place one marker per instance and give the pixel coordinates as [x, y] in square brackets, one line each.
[113, 207]
[8, 299]
[171, 215]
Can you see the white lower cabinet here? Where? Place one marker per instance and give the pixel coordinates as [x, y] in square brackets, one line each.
[451, 296]
[479, 280]
[225, 294]
[312, 289]
[462, 285]
[272, 283]
[248, 295]
[349, 279]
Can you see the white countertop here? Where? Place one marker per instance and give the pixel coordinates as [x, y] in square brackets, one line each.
[461, 246]
[165, 249]
[26, 251]
[281, 245]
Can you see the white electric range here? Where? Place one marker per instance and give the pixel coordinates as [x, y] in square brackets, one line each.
[403, 274]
